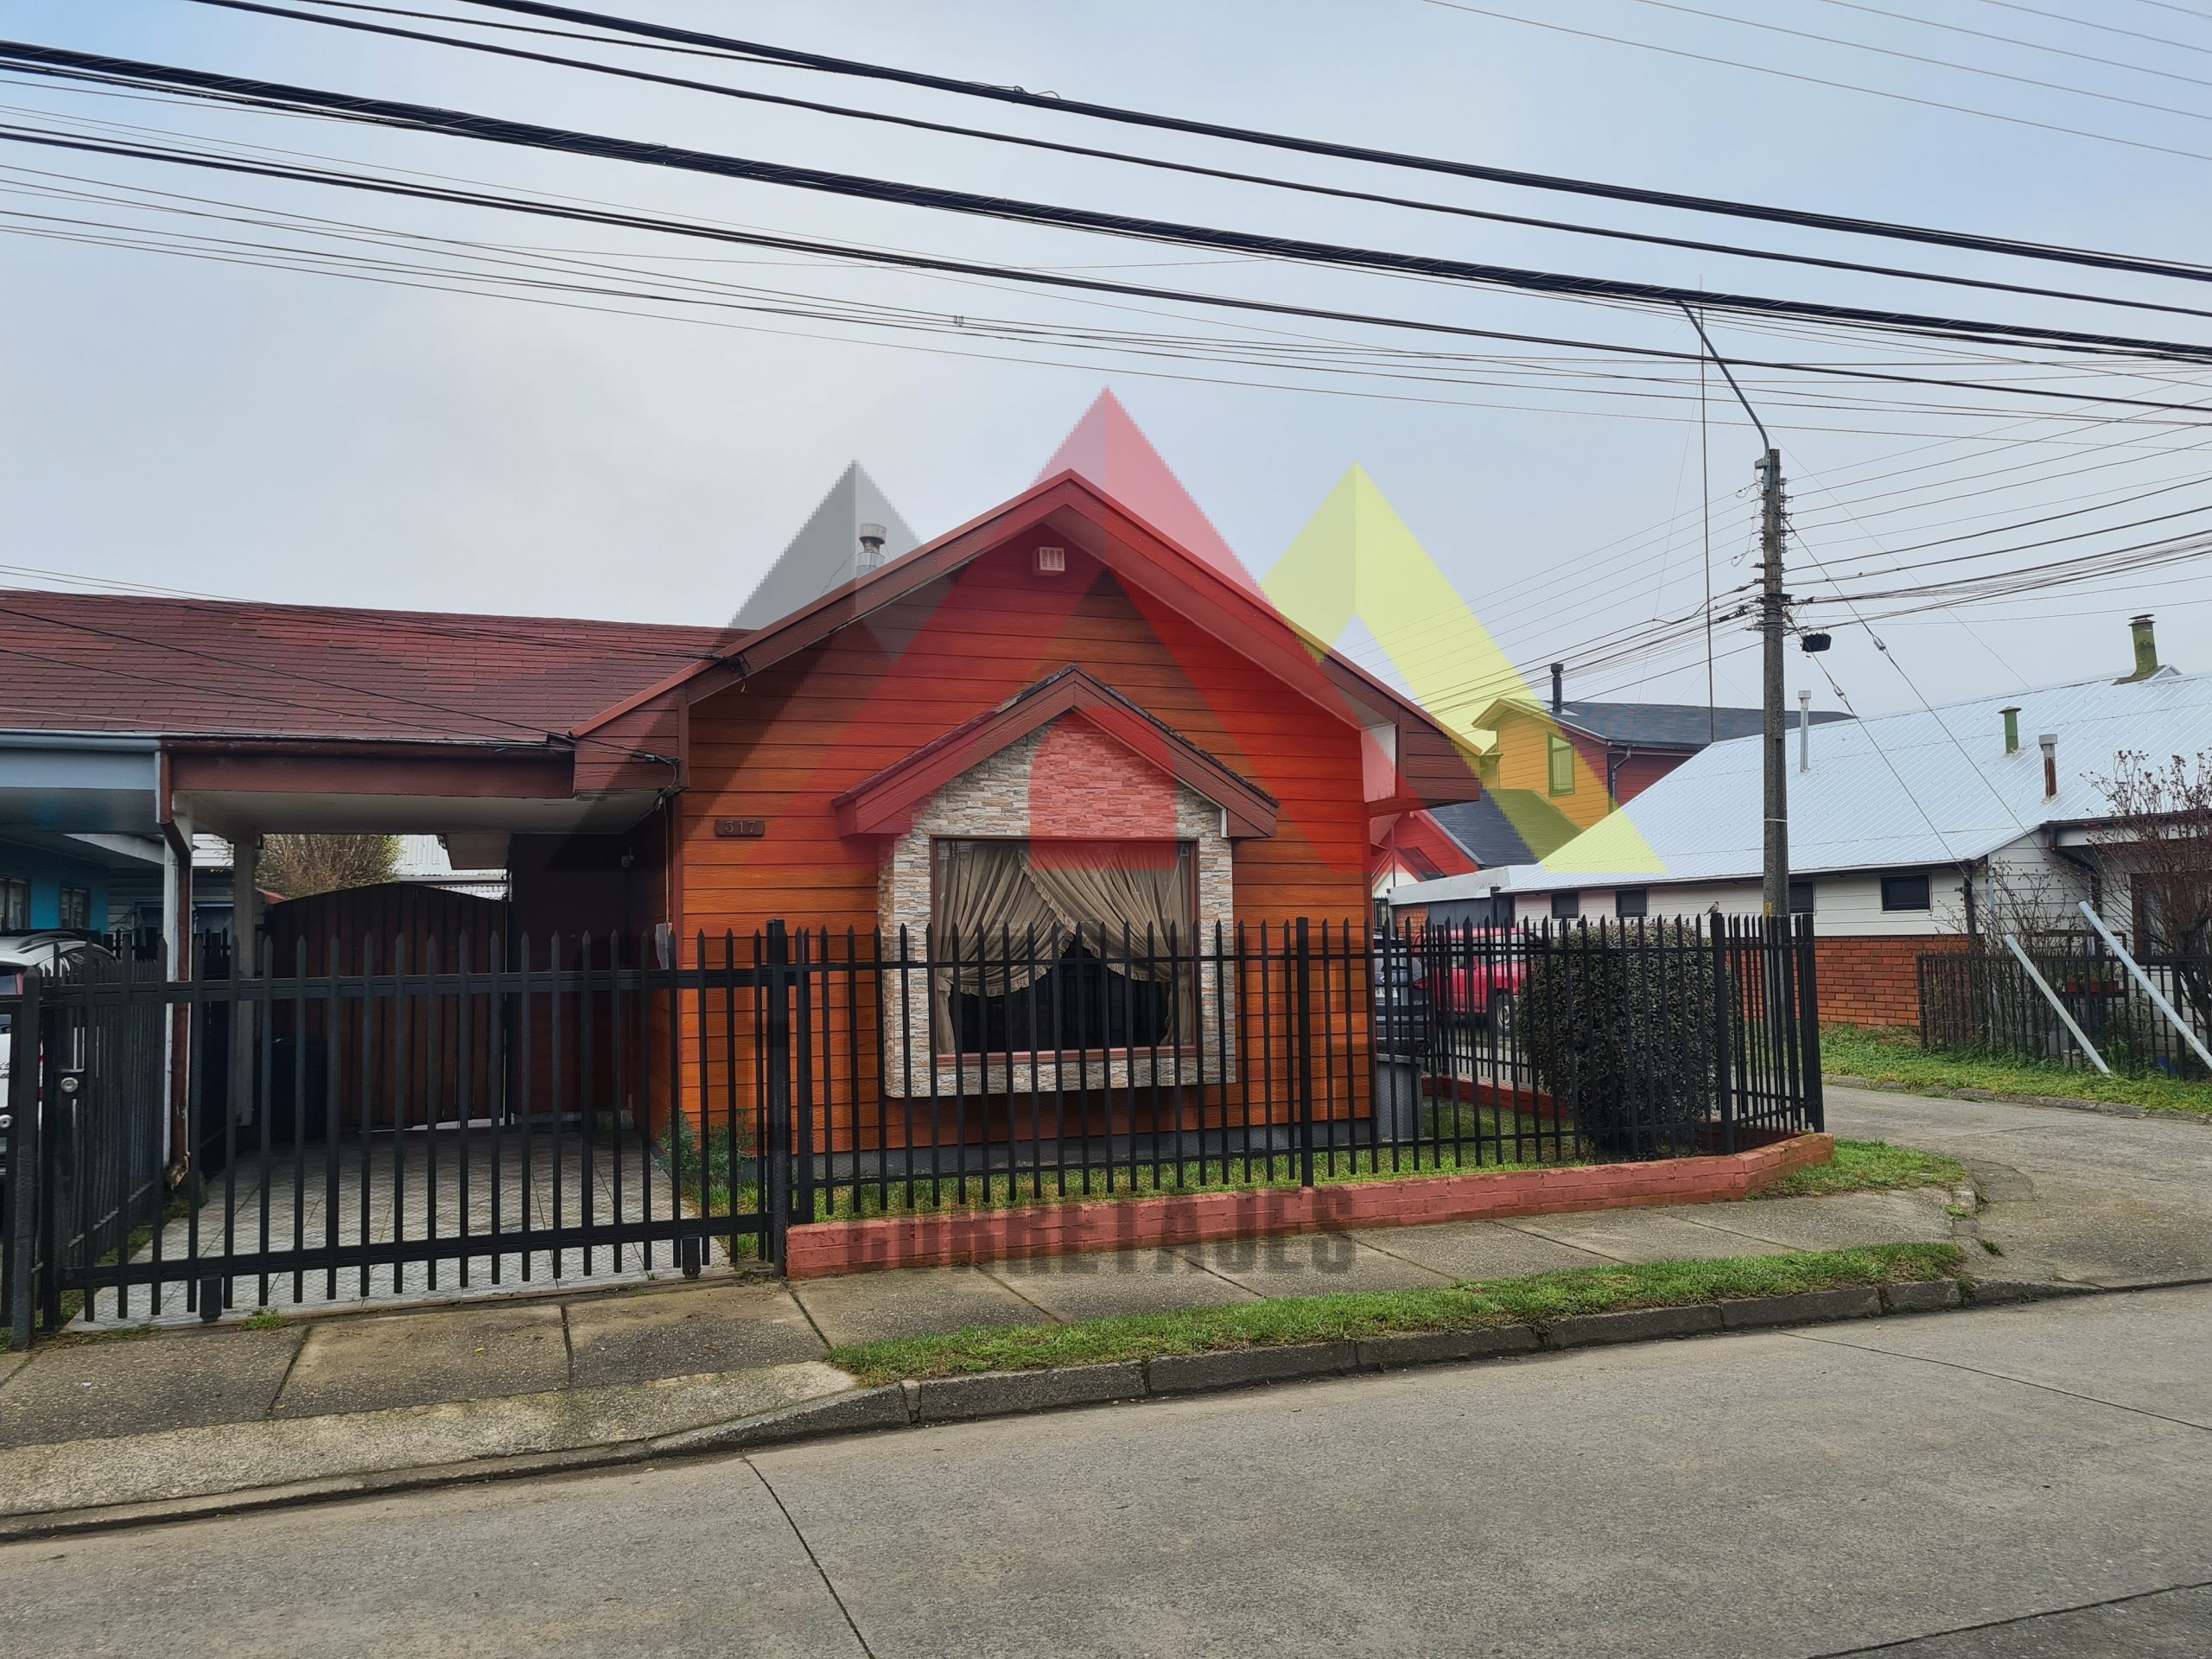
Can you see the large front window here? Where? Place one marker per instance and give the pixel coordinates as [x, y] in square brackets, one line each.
[1061, 946]
[1078, 1005]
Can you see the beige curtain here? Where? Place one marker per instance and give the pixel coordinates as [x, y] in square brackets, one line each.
[1132, 904]
[996, 901]
[1104, 888]
[991, 921]
[988, 910]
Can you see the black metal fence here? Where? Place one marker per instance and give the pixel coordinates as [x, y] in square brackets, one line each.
[353, 1125]
[1985, 1001]
[933, 1073]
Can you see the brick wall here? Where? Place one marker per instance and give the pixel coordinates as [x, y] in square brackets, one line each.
[1874, 980]
[835, 1247]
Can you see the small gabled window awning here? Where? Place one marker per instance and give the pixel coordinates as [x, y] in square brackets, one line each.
[884, 804]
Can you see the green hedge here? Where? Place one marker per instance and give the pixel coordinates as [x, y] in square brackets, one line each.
[1620, 1026]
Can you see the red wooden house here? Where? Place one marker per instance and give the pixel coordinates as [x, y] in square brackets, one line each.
[1054, 718]
[1050, 719]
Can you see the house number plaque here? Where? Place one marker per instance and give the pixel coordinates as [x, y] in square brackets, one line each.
[740, 829]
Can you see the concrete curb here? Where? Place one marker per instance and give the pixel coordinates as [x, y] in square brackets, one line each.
[948, 1400]
[2062, 1102]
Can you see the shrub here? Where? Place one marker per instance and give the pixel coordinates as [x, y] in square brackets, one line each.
[1620, 1026]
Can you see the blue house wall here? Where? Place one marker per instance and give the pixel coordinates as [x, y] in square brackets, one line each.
[49, 872]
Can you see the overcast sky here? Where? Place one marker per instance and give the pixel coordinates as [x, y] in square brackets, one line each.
[266, 434]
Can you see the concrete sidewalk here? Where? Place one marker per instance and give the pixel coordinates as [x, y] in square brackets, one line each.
[200, 1378]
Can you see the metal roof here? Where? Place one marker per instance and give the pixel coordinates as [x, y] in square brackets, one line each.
[1896, 790]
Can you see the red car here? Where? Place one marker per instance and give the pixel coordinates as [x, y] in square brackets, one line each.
[1472, 978]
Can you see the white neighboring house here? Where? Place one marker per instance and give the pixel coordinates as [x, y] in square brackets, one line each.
[1906, 831]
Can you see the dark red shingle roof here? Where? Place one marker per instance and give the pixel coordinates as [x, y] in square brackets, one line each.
[109, 663]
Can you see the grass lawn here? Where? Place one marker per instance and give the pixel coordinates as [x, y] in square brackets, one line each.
[1884, 1055]
[1870, 1165]
[1353, 1315]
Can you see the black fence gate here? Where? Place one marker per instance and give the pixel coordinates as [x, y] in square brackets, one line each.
[377, 1129]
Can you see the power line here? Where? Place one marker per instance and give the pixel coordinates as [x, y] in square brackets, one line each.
[850, 112]
[1916, 57]
[2108, 28]
[1013, 274]
[526, 134]
[761, 52]
[1810, 80]
[2025, 46]
[421, 118]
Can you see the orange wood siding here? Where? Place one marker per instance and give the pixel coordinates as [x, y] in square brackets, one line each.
[780, 746]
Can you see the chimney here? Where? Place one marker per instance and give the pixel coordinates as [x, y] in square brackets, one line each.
[2012, 729]
[871, 538]
[1804, 731]
[2049, 744]
[1559, 687]
[2146, 650]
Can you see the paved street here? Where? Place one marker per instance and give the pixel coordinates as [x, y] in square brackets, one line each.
[1805, 1493]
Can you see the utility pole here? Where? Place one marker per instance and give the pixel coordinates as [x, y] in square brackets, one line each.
[1773, 606]
[1773, 616]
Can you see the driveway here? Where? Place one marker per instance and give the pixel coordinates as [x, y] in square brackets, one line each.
[2074, 1195]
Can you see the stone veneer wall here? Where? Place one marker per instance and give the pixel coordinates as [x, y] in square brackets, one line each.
[1090, 788]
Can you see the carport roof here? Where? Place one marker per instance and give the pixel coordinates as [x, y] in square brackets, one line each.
[93, 662]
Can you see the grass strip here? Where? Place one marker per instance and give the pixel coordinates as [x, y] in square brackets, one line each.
[1351, 1316]
[1869, 1167]
[1882, 1055]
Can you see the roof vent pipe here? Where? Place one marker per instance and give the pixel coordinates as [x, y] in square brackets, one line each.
[2146, 649]
[872, 538]
[2049, 744]
[1804, 731]
[2012, 729]
[1559, 687]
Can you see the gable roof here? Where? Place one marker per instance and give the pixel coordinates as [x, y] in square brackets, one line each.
[1430, 761]
[180, 667]
[885, 803]
[1649, 724]
[825, 554]
[1894, 790]
[1109, 449]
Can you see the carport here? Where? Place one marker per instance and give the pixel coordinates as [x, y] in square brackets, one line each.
[178, 717]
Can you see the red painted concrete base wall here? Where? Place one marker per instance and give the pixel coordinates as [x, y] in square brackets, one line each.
[1875, 980]
[836, 1247]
